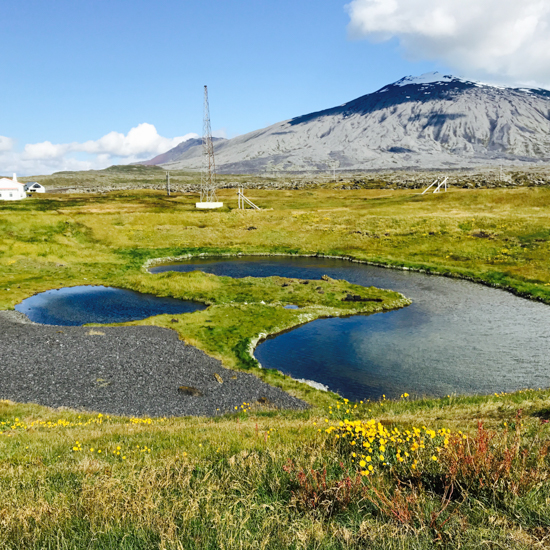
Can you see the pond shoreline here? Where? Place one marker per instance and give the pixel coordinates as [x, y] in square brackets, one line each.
[254, 341]
[262, 336]
[317, 305]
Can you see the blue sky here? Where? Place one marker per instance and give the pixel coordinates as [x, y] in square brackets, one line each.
[76, 70]
[89, 71]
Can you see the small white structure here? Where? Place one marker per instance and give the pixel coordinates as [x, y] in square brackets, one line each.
[34, 187]
[208, 205]
[243, 201]
[441, 183]
[11, 190]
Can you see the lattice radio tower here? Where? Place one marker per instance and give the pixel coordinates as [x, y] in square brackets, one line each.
[208, 173]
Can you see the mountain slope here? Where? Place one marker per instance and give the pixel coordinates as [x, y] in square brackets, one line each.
[176, 153]
[432, 121]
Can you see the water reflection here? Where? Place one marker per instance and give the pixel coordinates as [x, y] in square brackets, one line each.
[79, 305]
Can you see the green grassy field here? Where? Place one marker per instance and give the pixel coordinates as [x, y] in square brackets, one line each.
[496, 236]
[458, 472]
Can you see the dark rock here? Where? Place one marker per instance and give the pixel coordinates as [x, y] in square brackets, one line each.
[189, 390]
[357, 298]
[482, 234]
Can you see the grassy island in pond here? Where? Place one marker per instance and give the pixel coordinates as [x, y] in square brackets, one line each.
[243, 310]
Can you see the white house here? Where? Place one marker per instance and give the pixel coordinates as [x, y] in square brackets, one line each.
[34, 187]
[11, 190]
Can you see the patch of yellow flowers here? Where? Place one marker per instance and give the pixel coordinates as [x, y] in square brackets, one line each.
[8, 427]
[117, 451]
[373, 446]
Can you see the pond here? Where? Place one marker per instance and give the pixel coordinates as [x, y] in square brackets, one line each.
[78, 305]
[457, 336]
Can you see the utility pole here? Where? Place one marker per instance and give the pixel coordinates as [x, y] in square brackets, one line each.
[333, 164]
[168, 183]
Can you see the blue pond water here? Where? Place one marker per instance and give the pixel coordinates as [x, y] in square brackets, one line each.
[79, 305]
[456, 337]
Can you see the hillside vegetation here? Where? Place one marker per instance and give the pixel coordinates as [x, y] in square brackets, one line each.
[457, 472]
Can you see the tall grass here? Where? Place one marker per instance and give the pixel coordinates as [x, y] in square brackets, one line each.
[263, 479]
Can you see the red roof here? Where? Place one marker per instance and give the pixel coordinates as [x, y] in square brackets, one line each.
[5, 181]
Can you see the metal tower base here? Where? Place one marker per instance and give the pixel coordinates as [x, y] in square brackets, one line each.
[209, 205]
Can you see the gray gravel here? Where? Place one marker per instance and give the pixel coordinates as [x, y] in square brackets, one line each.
[132, 371]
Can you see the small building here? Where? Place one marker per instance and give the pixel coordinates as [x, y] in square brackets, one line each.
[12, 190]
[34, 187]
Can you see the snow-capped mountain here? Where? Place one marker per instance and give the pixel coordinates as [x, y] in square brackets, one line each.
[431, 121]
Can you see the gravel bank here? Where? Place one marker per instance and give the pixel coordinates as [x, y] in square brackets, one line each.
[131, 371]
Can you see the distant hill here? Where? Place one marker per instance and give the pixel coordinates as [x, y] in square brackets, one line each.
[178, 152]
[132, 168]
[432, 121]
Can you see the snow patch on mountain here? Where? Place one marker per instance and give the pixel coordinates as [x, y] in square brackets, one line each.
[427, 78]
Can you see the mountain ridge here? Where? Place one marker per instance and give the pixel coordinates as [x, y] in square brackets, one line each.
[431, 121]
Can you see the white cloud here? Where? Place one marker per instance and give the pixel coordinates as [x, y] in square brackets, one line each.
[141, 140]
[45, 150]
[140, 143]
[221, 133]
[507, 40]
[6, 143]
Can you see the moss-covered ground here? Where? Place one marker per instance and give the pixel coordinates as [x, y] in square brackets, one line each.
[458, 472]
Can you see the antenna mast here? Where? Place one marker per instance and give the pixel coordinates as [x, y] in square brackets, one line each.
[208, 173]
